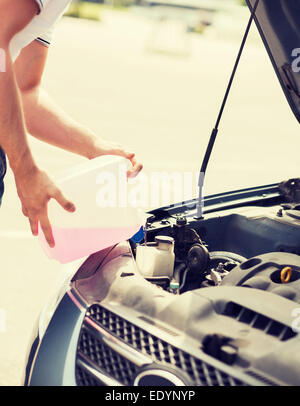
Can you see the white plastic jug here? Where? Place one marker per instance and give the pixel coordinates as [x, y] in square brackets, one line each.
[103, 216]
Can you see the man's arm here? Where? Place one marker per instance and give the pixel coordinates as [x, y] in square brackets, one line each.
[46, 121]
[34, 187]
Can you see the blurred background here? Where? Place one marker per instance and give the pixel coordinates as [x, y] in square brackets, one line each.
[150, 74]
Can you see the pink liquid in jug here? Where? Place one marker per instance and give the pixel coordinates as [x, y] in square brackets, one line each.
[75, 243]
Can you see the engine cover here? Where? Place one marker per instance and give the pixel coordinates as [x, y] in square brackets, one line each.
[276, 272]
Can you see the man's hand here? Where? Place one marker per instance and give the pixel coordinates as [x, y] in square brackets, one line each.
[104, 147]
[35, 189]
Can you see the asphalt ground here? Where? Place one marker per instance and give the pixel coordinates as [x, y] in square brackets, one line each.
[151, 86]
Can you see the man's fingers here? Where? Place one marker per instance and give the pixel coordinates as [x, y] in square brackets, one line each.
[34, 225]
[123, 152]
[65, 203]
[129, 155]
[47, 229]
[25, 212]
[134, 171]
[136, 168]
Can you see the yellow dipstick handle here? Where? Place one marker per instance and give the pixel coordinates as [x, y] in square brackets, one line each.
[285, 274]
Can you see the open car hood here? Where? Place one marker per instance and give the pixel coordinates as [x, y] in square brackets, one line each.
[278, 22]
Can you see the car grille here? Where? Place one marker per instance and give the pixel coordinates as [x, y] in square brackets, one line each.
[105, 359]
[84, 378]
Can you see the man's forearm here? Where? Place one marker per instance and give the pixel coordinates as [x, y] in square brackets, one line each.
[12, 126]
[49, 123]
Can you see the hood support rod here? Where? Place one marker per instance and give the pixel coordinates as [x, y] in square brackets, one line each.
[200, 204]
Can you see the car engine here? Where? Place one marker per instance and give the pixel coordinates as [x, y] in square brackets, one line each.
[258, 249]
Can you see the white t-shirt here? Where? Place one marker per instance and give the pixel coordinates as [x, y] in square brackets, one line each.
[40, 27]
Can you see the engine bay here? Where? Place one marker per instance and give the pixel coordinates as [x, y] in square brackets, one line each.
[255, 246]
[225, 288]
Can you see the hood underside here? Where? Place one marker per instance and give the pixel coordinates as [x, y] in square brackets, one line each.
[278, 22]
